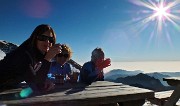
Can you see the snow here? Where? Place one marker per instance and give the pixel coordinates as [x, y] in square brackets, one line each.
[2, 54]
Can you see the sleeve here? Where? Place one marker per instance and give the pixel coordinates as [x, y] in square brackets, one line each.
[13, 68]
[41, 74]
[88, 74]
[68, 68]
[33, 77]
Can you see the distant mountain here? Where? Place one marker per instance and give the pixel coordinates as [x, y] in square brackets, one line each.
[172, 74]
[143, 81]
[6, 47]
[119, 73]
[159, 76]
[116, 73]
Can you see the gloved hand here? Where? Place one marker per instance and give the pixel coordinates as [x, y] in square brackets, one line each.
[100, 64]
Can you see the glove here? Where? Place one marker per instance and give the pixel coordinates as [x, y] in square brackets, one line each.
[102, 64]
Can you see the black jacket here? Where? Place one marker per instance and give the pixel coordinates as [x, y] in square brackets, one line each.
[25, 63]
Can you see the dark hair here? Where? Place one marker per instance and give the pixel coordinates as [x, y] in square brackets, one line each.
[40, 29]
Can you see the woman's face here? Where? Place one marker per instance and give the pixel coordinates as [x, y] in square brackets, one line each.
[44, 41]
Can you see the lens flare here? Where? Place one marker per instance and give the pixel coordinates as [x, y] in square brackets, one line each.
[161, 12]
[36, 8]
[161, 15]
[26, 92]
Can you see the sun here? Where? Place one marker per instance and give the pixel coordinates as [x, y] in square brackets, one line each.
[159, 9]
[159, 17]
[161, 12]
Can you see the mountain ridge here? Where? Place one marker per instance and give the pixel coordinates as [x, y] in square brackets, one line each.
[7, 47]
[148, 82]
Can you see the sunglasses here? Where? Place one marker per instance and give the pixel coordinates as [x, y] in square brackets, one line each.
[61, 55]
[45, 38]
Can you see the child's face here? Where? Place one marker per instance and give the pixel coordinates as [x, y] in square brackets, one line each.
[62, 58]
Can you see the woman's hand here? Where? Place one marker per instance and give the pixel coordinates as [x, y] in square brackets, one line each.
[53, 51]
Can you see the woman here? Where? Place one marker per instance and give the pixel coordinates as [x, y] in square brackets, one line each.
[93, 70]
[30, 62]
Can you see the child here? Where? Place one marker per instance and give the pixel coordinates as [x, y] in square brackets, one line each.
[60, 66]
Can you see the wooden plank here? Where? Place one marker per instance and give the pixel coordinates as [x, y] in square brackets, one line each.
[81, 85]
[171, 78]
[163, 94]
[97, 93]
[104, 90]
[96, 96]
[11, 91]
[72, 99]
[162, 97]
[172, 81]
[104, 83]
[178, 103]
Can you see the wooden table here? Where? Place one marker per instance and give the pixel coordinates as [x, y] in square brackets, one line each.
[100, 92]
[173, 81]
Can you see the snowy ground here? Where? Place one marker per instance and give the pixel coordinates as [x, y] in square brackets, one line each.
[147, 103]
[2, 54]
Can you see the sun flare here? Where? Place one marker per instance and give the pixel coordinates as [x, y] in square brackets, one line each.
[161, 12]
[161, 15]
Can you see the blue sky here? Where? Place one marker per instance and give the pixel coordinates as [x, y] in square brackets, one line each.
[121, 27]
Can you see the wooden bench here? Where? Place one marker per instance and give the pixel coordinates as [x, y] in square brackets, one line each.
[161, 97]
